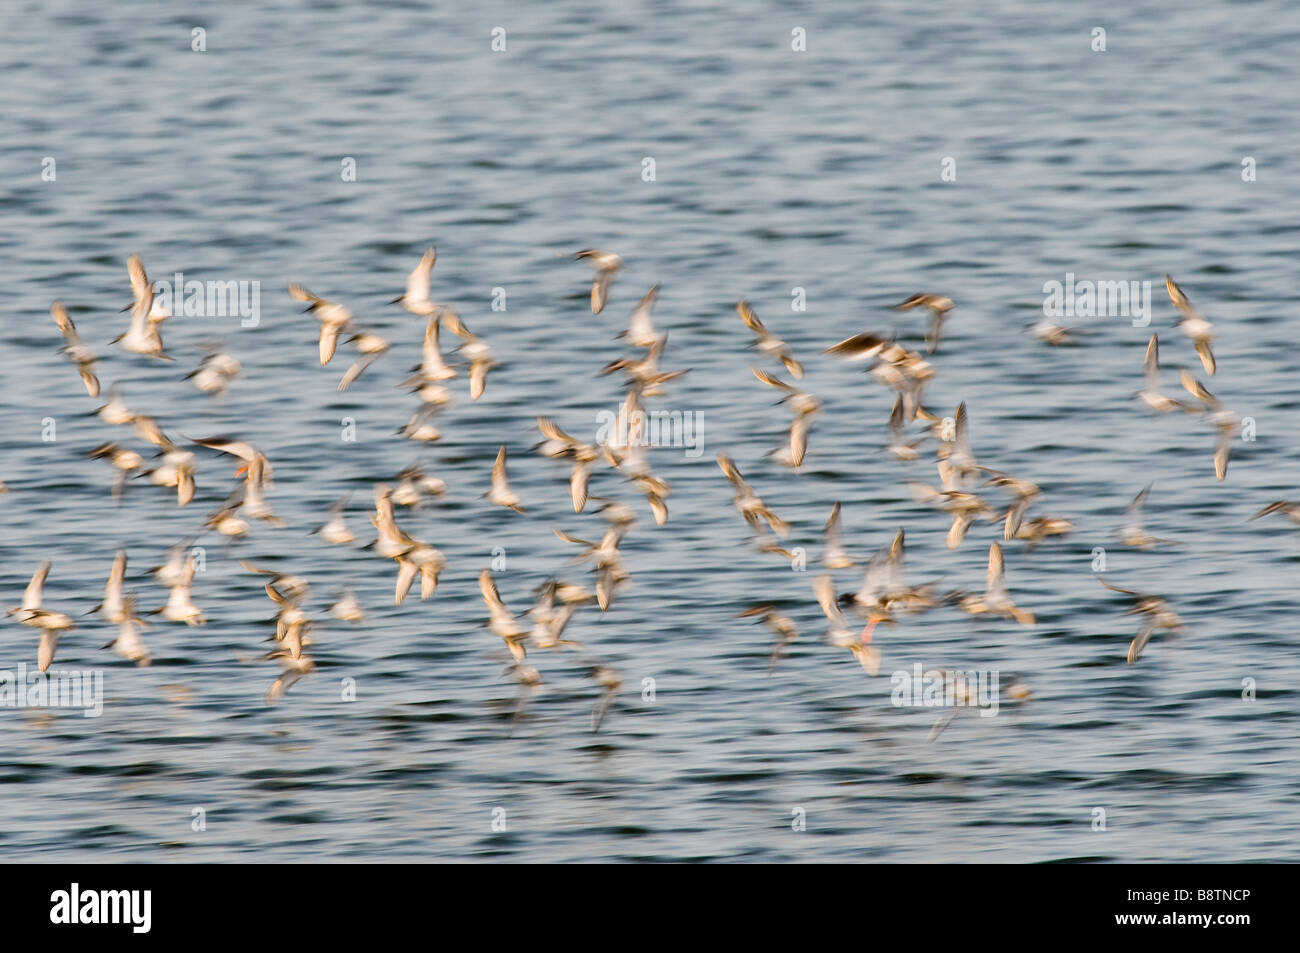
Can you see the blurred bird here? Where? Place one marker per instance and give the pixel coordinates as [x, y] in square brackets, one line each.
[501, 621]
[128, 644]
[416, 297]
[1194, 325]
[501, 494]
[785, 628]
[334, 319]
[1133, 533]
[75, 349]
[113, 607]
[939, 307]
[1288, 508]
[180, 606]
[996, 600]
[835, 556]
[147, 313]
[32, 613]
[839, 634]
[640, 326]
[1150, 393]
[370, 347]
[124, 460]
[1227, 423]
[609, 680]
[335, 529]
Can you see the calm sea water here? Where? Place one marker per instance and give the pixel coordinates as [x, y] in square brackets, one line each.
[774, 170]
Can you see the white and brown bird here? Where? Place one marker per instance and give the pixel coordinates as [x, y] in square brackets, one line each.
[835, 556]
[75, 350]
[500, 494]
[1151, 394]
[750, 505]
[1050, 332]
[1288, 508]
[899, 447]
[475, 350]
[956, 458]
[1023, 491]
[392, 542]
[839, 634]
[180, 605]
[147, 313]
[257, 473]
[640, 324]
[414, 483]
[177, 467]
[226, 519]
[611, 683]
[883, 587]
[607, 265]
[33, 613]
[215, 372]
[549, 620]
[785, 628]
[1133, 532]
[801, 403]
[862, 347]
[334, 318]
[115, 411]
[1193, 324]
[964, 508]
[421, 559]
[125, 460]
[335, 529]
[561, 445]
[643, 374]
[996, 600]
[420, 427]
[501, 621]
[1037, 530]
[293, 667]
[416, 298]
[128, 644]
[370, 347]
[432, 367]
[113, 607]
[173, 571]
[530, 683]
[1225, 421]
[347, 608]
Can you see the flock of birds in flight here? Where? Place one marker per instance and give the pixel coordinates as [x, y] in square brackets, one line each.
[883, 596]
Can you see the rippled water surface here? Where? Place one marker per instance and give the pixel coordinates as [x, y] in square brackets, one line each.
[774, 170]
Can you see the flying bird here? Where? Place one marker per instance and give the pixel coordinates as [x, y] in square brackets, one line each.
[939, 306]
[1193, 324]
[607, 265]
